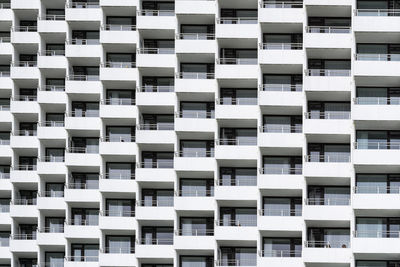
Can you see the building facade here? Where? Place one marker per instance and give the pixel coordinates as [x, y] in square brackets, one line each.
[199, 133]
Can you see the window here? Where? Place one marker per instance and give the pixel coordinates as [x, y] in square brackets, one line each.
[120, 244]
[328, 238]
[84, 252]
[282, 206]
[196, 261]
[328, 110]
[157, 84]
[85, 37]
[157, 122]
[328, 152]
[27, 163]
[84, 181]
[197, 110]
[54, 190]
[282, 165]
[238, 217]
[157, 197]
[328, 195]
[197, 70]
[85, 109]
[4, 205]
[120, 207]
[120, 134]
[189, 187]
[120, 170]
[54, 155]
[197, 148]
[85, 145]
[4, 172]
[238, 176]
[54, 259]
[238, 136]
[378, 139]
[235, 96]
[84, 216]
[54, 84]
[197, 32]
[120, 97]
[242, 256]
[158, 159]
[282, 124]
[283, 82]
[5, 239]
[196, 226]
[376, 183]
[282, 247]
[157, 235]
[382, 227]
[54, 224]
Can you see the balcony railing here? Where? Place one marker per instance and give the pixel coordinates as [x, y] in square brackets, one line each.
[90, 222]
[4, 107]
[281, 128]
[328, 29]
[283, 170]
[155, 241]
[52, 17]
[236, 142]
[118, 139]
[4, 142]
[194, 154]
[363, 100]
[118, 65]
[116, 27]
[192, 192]
[194, 75]
[51, 124]
[164, 164]
[118, 101]
[331, 201]
[193, 114]
[237, 101]
[235, 20]
[4, 208]
[85, 186]
[237, 61]
[280, 212]
[156, 13]
[376, 233]
[377, 57]
[194, 232]
[272, 87]
[84, 114]
[117, 213]
[83, 150]
[331, 157]
[378, 12]
[51, 194]
[195, 36]
[52, 159]
[156, 89]
[24, 28]
[376, 145]
[82, 258]
[281, 4]
[237, 223]
[25, 64]
[281, 46]
[52, 53]
[328, 115]
[327, 244]
[280, 253]
[119, 250]
[119, 176]
[26, 98]
[24, 202]
[24, 167]
[77, 41]
[24, 236]
[238, 262]
[50, 264]
[4, 175]
[376, 189]
[328, 72]
[5, 39]
[156, 50]
[59, 228]
[74, 77]
[155, 126]
[5, 5]
[82, 4]
[4, 74]
[156, 203]
[242, 181]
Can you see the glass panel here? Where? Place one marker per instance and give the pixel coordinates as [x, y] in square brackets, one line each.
[371, 227]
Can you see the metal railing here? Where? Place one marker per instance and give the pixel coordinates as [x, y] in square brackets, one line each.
[156, 13]
[155, 241]
[363, 100]
[4, 142]
[24, 98]
[376, 189]
[118, 101]
[24, 202]
[51, 124]
[118, 27]
[376, 234]
[118, 65]
[4, 107]
[51, 17]
[237, 223]
[238, 262]
[5, 175]
[242, 181]
[84, 114]
[280, 253]
[328, 115]
[156, 89]
[156, 203]
[72, 4]
[236, 142]
[281, 87]
[377, 57]
[156, 50]
[328, 29]
[4, 39]
[4, 208]
[328, 72]
[195, 36]
[164, 164]
[281, 128]
[119, 250]
[194, 193]
[51, 194]
[4, 74]
[118, 139]
[52, 159]
[237, 20]
[237, 101]
[82, 258]
[281, 46]
[24, 236]
[50, 264]
[281, 4]
[24, 167]
[52, 53]
[237, 61]
[283, 170]
[155, 126]
[331, 157]
[331, 201]
[24, 28]
[194, 114]
[85, 186]
[327, 244]
[119, 176]
[194, 154]
[52, 88]
[25, 64]
[75, 77]
[376, 145]
[79, 222]
[280, 212]
[5, 5]
[194, 232]
[117, 213]
[83, 150]
[52, 229]
[378, 12]
[76, 41]
[194, 75]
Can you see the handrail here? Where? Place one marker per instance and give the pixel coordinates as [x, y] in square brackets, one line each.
[52, 229]
[237, 20]
[376, 234]
[377, 57]
[194, 193]
[327, 72]
[194, 75]
[119, 250]
[118, 101]
[194, 114]
[237, 101]
[156, 50]
[76, 41]
[5, 5]
[194, 232]
[281, 4]
[86, 150]
[236, 142]
[155, 13]
[119, 176]
[84, 186]
[24, 236]
[24, 167]
[71, 4]
[80, 222]
[276, 170]
[24, 98]
[75, 77]
[24, 63]
[165, 164]
[51, 123]
[237, 61]
[4, 74]
[328, 115]
[366, 100]
[4, 39]
[51, 17]
[155, 126]
[280, 253]
[237, 262]
[118, 27]
[4, 107]
[331, 201]
[155, 89]
[5, 175]
[376, 145]
[331, 157]
[377, 12]
[195, 36]
[376, 189]
[271, 87]
[118, 139]
[156, 203]
[281, 46]
[327, 244]
[53, 88]
[51, 53]
[82, 258]
[24, 202]
[242, 181]
[155, 241]
[51, 194]
[119, 213]
[83, 114]
[118, 65]
[24, 28]
[4, 142]
[281, 128]
[280, 212]
[194, 154]
[328, 29]
[51, 159]
[237, 223]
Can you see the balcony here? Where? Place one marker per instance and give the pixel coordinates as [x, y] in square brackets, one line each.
[81, 261]
[282, 136]
[328, 252]
[191, 43]
[5, 11]
[163, 248]
[52, 24]
[281, 11]
[24, 174]
[24, 70]
[148, 96]
[24, 35]
[280, 177]
[51, 200]
[237, 108]
[236, 230]
[51, 236]
[52, 59]
[83, 11]
[281, 53]
[376, 20]
[118, 34]
[375, 109]
[78, 193]
[119, 3]
[376, 153]
[201, 200]
[155, 210]
[5, 45]
[237, 27]
[329, 165]
[375, 197]
[199, 7]
[119, 71]
[156, 58]
[156, 172]
[379, 242]
[280, 259]
[156, 20]
[82, 229]
[23, 243]
[23, 208]
[51, 130]
[118, 256]
[21, 4]
[282, 95]
[194, 161]
[51, 165]
[329, 122]
[88, 120]
[328, 209]
[384, 65]
[51, 94]
[328, 37]
[197, 239]
[230, 149]
[111, 220]
[82, 156]
[118, 183]
[237, 68]
[162, 133]
[24, 139]
[279, 220]
[191, 82]
[83, 48]
[123, 145]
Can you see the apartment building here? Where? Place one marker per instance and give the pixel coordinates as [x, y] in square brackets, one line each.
[199, 133]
